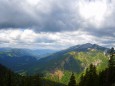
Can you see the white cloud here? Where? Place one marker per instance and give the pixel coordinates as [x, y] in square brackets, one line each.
[59, 40]
[95, 12]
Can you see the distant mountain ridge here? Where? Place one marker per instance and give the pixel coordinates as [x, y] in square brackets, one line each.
[79, 48]
[75, 59]
[17, 59]
[80, 56]
[38, 53]
[85, 47]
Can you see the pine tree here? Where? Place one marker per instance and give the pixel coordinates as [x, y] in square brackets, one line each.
[36, 80]
[9, 78]
[82, 80]
[111, 69]
[72, 81]
[90, 77]
[112, 58]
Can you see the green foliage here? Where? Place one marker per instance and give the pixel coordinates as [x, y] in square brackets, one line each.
[112, 58]
[72, 81]
[105, 77]
[65, 79]
[90, 77]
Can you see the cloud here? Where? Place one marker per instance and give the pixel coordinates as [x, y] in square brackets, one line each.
[45, 40]
[44, 15]
[56, 23]
[55, 15]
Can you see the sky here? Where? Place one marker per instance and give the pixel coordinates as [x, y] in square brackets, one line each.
[56, 24]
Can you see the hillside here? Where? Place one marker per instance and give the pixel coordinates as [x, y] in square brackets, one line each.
[58, 66]
[20, 59]
[73, 59]
[9, 78]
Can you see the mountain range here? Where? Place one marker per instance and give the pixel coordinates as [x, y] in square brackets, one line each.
[16, 59]
[51, 63]
[75, 58]
[55, 65]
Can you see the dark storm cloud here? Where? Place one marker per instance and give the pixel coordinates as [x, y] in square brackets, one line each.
[61, 18]
[13, 15]
[3, 41]
[109, 42]
[101, 32]
[20, 14]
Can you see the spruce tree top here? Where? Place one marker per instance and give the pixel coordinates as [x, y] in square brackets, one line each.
[72, 81]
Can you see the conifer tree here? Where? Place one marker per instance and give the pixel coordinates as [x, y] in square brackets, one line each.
[90, 77]
[72, 81]
[112, 58]
[36, 80]
[82, 80]
[111, 69]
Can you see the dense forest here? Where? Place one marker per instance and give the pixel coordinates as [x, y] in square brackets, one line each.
[89, 78]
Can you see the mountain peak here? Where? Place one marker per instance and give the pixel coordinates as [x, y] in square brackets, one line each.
[85, 47]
